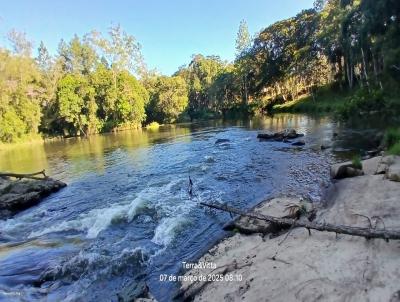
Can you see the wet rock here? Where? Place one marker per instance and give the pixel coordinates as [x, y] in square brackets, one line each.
[18, 195]
[373, 153]
[285, 135]
[221, 141]
[135, 291]
[323, 147]
[299, 143]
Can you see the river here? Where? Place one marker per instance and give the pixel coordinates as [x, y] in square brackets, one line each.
[126, 215]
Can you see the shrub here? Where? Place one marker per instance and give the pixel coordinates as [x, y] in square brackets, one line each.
[392, 137]
[395, 149]
[363, 102]
[356, 162]
[153, 125]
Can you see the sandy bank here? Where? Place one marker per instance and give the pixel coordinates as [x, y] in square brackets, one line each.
[320, 267]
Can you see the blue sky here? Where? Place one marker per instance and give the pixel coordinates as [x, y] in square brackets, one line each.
[169, 31]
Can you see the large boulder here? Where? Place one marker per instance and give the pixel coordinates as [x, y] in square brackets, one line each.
[18, 195]
[344, 170]
[393, 172]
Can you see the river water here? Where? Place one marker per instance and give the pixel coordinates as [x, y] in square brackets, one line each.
[126, 215]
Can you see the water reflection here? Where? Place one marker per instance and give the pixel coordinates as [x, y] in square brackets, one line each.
[71, 158]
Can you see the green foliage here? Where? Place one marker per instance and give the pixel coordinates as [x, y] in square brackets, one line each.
[362, 102]
[91, 85]
[392, 137]
[395, 149]
[76, 105]
[324, 100]
[153, 126]
[168, 100]
[19, 97]
[356, 162]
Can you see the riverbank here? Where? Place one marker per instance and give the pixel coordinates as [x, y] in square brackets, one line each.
[346, 104]
[18, 195]
[297, 267]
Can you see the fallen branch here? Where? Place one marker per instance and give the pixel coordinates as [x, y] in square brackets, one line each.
[368, 233]
[30, 175]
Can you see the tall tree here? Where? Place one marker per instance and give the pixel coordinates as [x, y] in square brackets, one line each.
[243, 43]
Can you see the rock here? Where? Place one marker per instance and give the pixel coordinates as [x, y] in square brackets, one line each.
[339, 171]
[284, 136]
[221, 141]
[133, 291]
[352, 172]
[335, 134]
[19, 195]
[381, 169]
[370, 166]
[393, 172]
[373, 153]
[299, 143]
[323, 147]
[265, 136]
[291, 133]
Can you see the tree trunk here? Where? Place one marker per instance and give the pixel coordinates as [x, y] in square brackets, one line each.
[368, 233]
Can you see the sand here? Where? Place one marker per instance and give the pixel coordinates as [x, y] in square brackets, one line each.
[320, 267]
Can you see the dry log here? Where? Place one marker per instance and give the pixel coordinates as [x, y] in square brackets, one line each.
[29, 175]
[368, 233]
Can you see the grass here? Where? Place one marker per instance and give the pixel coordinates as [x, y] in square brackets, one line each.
[392, 137]
[326, 100]
[391, 141]
[395, 149]
[356, 162]
[28, 140]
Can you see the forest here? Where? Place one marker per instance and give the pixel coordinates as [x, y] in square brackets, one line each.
[100, 82]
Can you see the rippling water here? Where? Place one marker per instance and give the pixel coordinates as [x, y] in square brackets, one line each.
[126, 215]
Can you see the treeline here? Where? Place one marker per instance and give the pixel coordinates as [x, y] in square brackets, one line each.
[98, 83]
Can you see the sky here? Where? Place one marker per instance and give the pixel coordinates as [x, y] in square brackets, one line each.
[170, 31]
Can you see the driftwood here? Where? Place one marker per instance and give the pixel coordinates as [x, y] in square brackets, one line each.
[193, 289]
[368, 233]
[30, 175]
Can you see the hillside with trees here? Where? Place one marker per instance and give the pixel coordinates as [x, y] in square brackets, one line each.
[100, 83]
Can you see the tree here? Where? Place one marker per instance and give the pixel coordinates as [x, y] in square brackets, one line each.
[168, 100]
[19, 43]
[76, 105]
[19, 97]
[120, 50]
[243, 43]
[243, 40]
[78, 56]
[43, 59]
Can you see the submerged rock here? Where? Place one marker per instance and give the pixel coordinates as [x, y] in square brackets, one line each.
[299, 143]
[280, 136]
[18, 195]
[221, 141]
